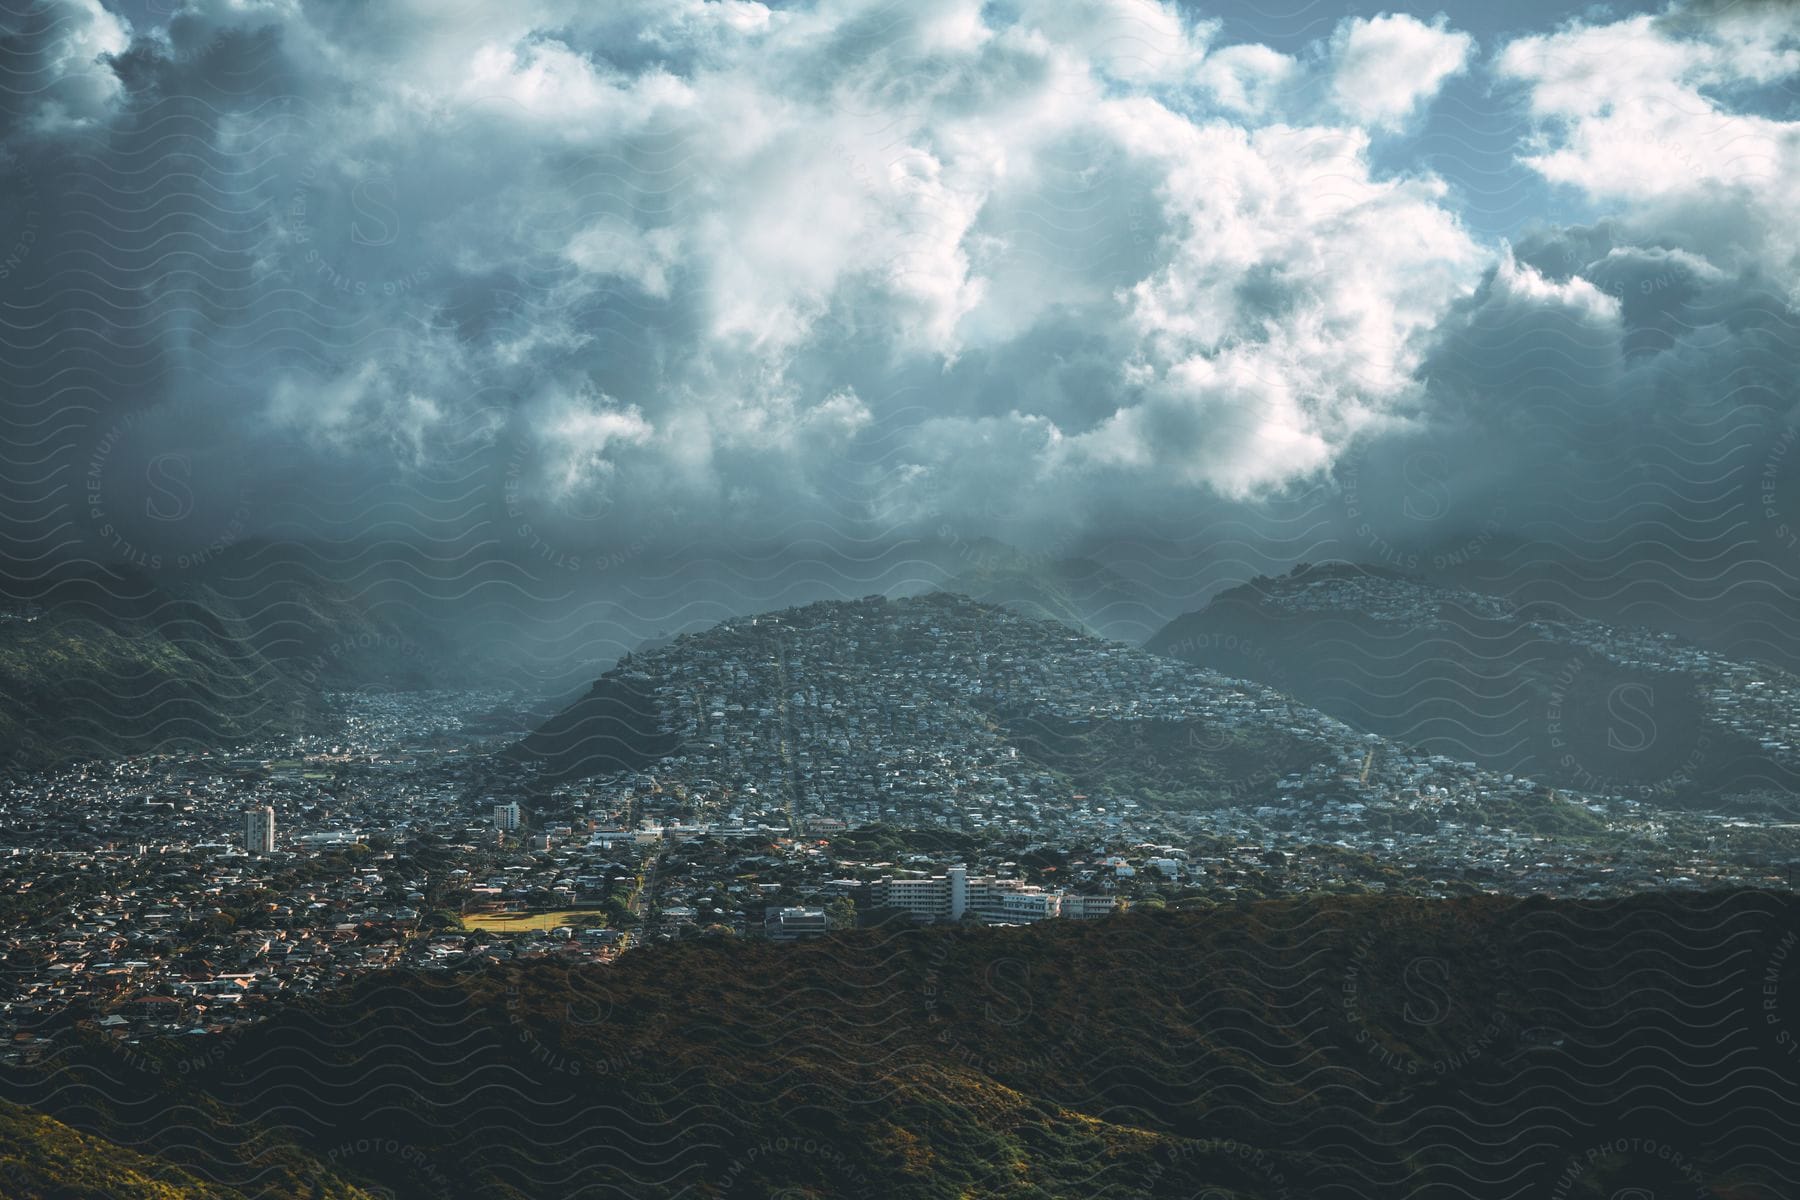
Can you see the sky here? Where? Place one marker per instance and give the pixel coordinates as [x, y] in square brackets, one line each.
[561, 280]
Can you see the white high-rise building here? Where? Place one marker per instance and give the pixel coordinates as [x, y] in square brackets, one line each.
[259, 830]
[507, 817]
[958, 879]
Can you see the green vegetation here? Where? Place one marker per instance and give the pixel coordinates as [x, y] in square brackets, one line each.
[612, 728]
[1462, 675]
[73, 685]
[1163, 763]
[43, 1159]
[1267, 1050]
[884, 843]
[113, 661]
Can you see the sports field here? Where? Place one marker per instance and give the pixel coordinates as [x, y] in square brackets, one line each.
[526, 922]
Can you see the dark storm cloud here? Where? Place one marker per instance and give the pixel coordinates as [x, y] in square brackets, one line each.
[708, 259]
[562, 277]
[1609, 406]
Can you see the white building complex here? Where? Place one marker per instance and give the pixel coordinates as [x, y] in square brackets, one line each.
[791, 924]
[259, 830]
[507, 817]
[954, 895]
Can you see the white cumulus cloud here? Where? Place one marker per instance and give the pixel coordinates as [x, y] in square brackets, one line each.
[1385, 67]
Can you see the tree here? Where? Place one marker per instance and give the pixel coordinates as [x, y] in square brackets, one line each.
[841, 913]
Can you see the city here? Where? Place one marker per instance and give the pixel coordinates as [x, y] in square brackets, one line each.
[910, 599]
[835, 762]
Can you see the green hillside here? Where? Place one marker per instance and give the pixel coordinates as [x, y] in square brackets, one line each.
[1346, 1047]
[1525, 689]
[614, 727]
[43, 1159]
[77, 683]
[103, 662]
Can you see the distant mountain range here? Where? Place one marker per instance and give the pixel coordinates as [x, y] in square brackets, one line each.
[115, 664]
[106, 662]
[1529, 688]
[99, 660]
[1330, 1048]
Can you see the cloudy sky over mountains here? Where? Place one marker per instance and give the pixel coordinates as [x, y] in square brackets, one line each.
[855, 269]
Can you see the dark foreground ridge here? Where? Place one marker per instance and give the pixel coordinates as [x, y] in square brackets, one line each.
[1329, 1047]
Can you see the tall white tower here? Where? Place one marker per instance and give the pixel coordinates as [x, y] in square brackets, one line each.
[259, 830]
[959, 891]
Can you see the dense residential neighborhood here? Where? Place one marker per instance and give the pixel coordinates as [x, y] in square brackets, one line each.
[844, 763]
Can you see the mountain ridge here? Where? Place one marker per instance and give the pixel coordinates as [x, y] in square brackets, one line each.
[1516, 688]
[941, 711]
